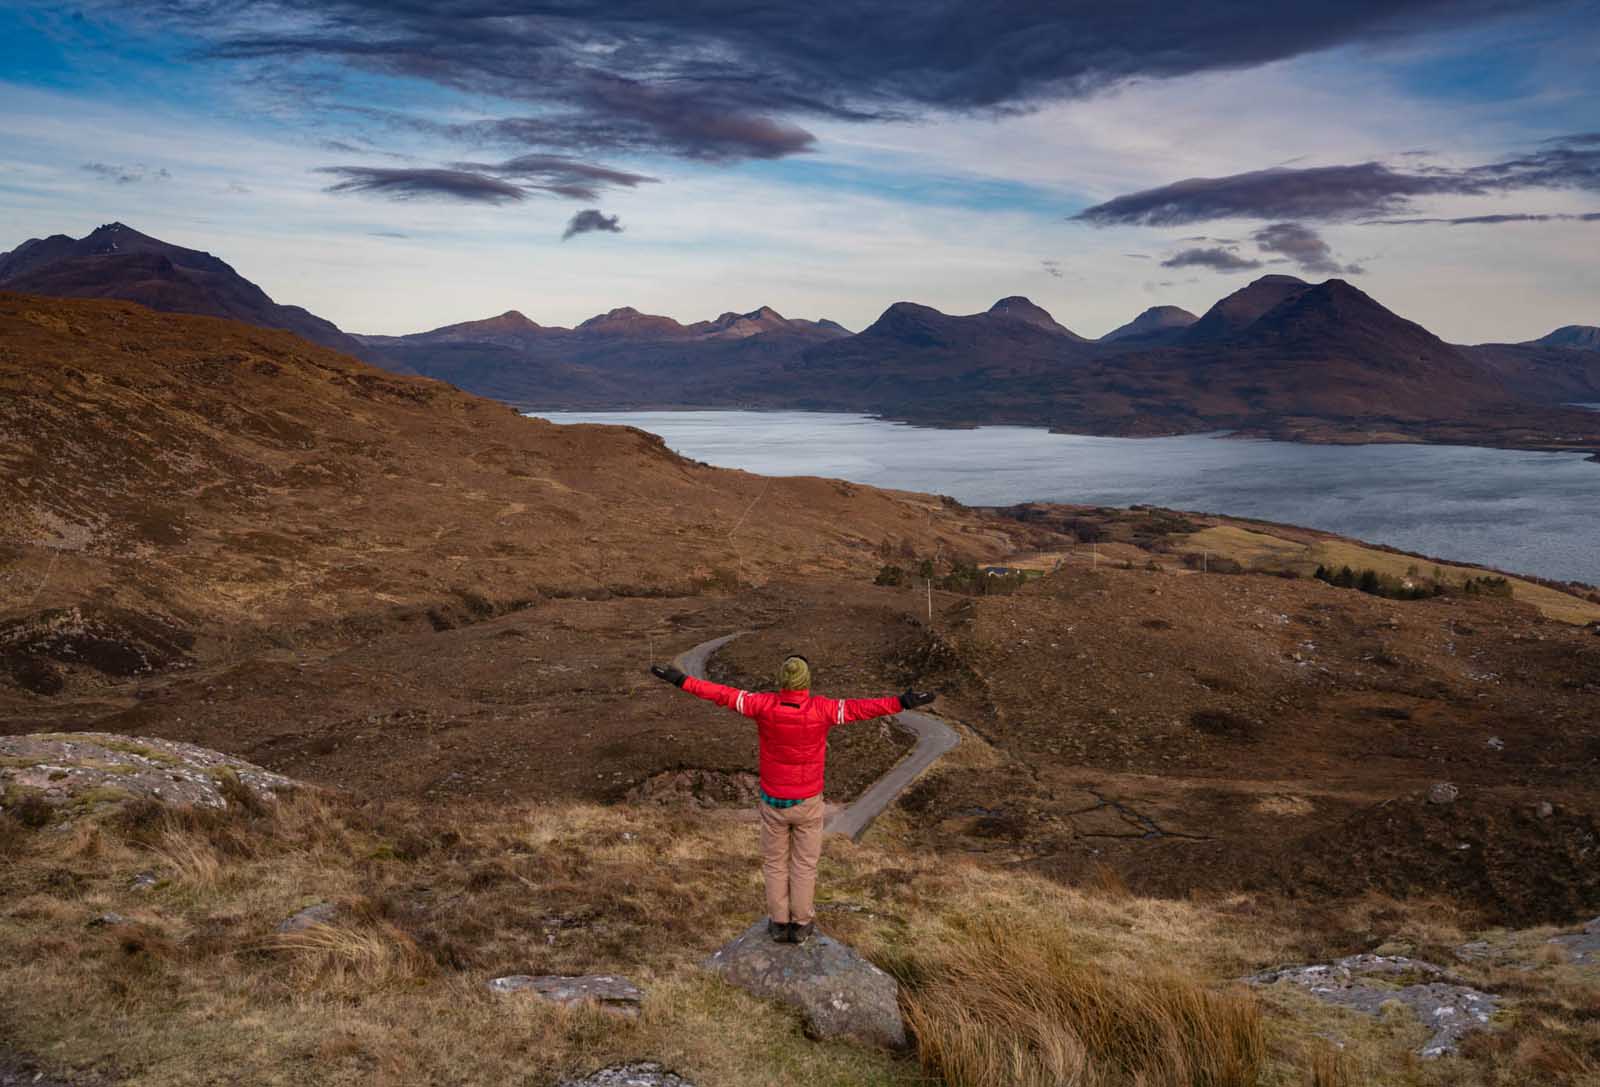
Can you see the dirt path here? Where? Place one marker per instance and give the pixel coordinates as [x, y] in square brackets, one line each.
[934, 738]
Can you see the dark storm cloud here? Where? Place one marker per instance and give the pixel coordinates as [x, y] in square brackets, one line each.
[1336, 193]
[1302, 245]
[407, 184]
[125, 175]
[1217, 259]
[590, 220]
[727, 79]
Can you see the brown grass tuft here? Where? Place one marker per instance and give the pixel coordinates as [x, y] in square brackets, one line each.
[352, 960]
[1019, 1006]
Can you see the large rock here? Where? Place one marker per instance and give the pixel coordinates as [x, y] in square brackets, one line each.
[638, 1074]
[86, 768]
[608, 992]
[1365, 983]
[837, 992]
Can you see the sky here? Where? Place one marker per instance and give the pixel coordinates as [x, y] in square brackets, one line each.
[396, 165]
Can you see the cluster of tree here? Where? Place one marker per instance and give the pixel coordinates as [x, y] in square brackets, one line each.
[961, 578]
[1411, 587]
[1376, 584]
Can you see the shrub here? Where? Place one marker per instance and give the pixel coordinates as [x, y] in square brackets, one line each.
[890, 575]
[29, 808]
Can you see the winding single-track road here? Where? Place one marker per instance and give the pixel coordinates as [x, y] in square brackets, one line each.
[934, 738]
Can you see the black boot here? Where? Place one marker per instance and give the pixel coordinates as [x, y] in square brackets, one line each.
[778, 930]
[799, 934]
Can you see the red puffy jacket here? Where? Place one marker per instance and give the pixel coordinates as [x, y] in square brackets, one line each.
[793, 726]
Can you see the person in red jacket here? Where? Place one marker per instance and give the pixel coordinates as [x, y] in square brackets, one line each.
[792, 724]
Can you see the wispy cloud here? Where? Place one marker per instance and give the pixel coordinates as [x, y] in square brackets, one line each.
[590, 220]
[126, 175]
[1494, 220]
[1052, 268]
[1365, 190]
[412, 184]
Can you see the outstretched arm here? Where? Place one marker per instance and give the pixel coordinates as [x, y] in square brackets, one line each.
[730, 698]
[864, 709]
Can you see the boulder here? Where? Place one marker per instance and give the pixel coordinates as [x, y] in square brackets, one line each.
[608, 992]
[838, 993]
[638, 1074]
[1442, 792]
[1365, 983]
[68, 769]
[323, 913]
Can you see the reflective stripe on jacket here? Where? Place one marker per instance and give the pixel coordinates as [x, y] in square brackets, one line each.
[793, 727]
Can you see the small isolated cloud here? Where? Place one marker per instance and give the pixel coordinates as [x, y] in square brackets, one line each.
[1215, 258]
[235, 187]
[125, 175]
[412, 184]
[1304, 246]
[387, 234]
[590, 220]
[1052, 268]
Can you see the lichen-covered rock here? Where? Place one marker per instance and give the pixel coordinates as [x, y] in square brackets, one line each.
[638, 1074]
[608, 992]
[83, 769]
[1365, 983]
[838, 993]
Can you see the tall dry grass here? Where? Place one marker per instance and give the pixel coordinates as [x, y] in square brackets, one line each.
[1019, 1006]
[351, 960]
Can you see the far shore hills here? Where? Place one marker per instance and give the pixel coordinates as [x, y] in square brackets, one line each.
[1281, 358]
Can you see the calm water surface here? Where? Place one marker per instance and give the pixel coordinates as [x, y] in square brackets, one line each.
[1536, 513]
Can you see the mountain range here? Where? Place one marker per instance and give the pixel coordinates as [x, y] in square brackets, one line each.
[1281, 356]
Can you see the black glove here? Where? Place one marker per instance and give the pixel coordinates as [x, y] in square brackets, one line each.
[912, 699]
[668, 673]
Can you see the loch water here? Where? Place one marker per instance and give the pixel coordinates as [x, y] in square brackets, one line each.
[1531, 513]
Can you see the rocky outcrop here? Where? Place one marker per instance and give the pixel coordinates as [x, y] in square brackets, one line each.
[83, 769]
[1582, 947]
[608, 992]
[639, 1074]
[1365, 983]
[838, 993]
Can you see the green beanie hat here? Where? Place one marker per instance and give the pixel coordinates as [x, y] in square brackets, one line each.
[795, 675]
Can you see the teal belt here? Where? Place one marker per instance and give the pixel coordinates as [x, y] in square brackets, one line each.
[775, 802]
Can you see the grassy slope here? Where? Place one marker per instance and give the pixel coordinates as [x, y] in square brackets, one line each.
[1260, 550]
[433, 903]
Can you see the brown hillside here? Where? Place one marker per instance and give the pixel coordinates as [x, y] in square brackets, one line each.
[200, 469]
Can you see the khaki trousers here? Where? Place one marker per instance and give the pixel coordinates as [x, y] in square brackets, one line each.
[791, 845]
